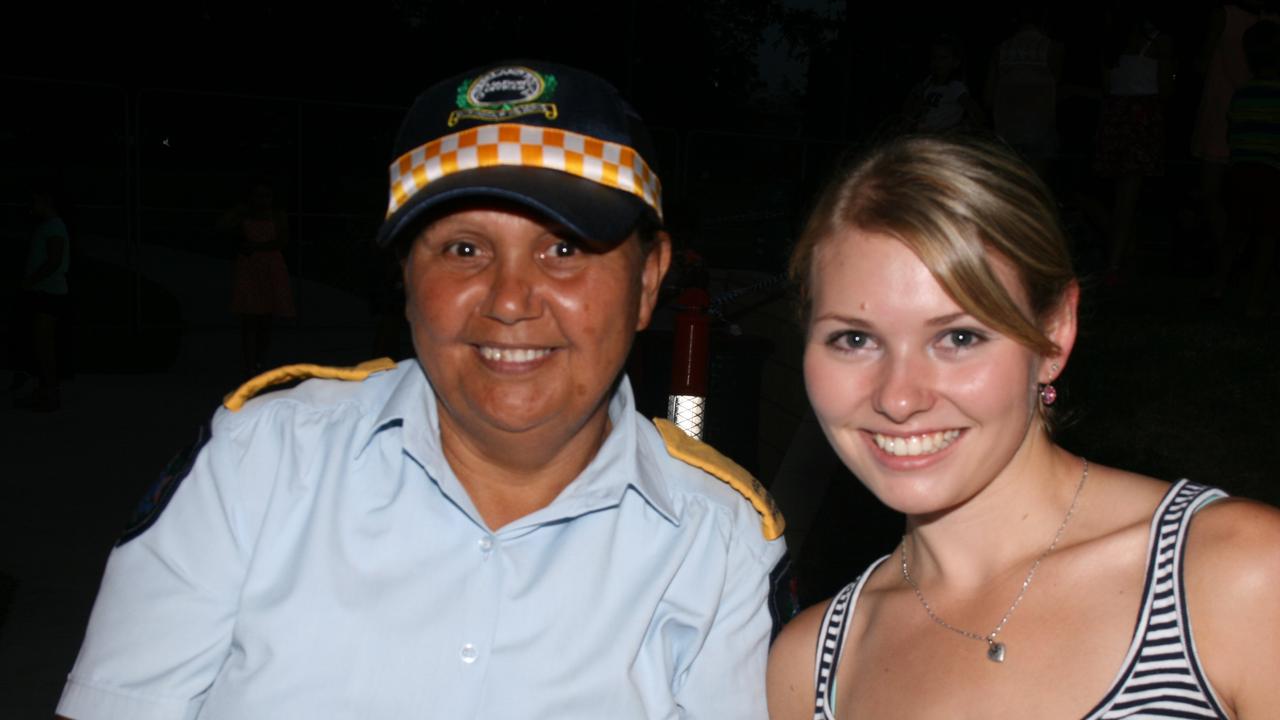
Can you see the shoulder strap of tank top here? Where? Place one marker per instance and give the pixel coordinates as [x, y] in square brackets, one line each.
[1161, 670]
[831, 635]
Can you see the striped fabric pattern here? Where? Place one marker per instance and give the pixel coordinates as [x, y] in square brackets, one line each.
[1254, 123]
[1161, 676]
[831, 640]
[600, 161]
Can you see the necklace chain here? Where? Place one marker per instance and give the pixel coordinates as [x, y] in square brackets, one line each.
[995, 650]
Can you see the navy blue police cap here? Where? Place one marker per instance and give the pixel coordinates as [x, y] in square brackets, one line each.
[556, 140]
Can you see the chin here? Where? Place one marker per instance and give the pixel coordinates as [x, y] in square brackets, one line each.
[916, 491]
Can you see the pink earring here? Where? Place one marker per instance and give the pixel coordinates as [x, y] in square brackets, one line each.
[1048, 393]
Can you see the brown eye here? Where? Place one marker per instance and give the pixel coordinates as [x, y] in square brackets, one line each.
[460, 249]
[854, 340]
[564, 249]
[851, 340]
[962, 338]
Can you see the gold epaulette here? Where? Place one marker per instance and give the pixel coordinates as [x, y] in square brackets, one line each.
[704, 457]
[302, 371]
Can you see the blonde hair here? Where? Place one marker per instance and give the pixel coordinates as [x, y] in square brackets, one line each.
[952, 201]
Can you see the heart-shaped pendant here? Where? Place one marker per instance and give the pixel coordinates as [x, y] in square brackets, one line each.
[995, 652]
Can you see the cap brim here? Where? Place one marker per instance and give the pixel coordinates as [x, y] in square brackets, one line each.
[593, 212]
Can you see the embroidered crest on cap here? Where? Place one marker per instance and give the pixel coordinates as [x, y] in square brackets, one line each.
[504, 93]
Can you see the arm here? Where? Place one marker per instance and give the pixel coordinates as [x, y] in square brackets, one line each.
[229, 231]
[727, 678]
[282, 231]
[161, 626]
[55, 246]
[1232, 573]
[791, 667]
[973, 115]
[913, 105]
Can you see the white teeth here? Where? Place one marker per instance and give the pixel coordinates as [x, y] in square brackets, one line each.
[915, 444]
[513, 355]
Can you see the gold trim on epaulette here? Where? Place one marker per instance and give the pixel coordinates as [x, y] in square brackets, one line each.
[302, 371]
[704, 457]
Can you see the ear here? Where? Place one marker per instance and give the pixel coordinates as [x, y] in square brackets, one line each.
[1062, 331]
[655, 268]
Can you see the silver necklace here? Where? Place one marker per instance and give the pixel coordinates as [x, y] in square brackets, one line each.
[996, 650]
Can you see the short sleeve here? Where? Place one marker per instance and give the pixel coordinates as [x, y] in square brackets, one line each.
[727, 678]
[162, 623]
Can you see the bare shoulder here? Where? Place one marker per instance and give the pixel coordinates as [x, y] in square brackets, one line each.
[791, 665]
[1234, 544]
[1119, 500]
[1232, 573]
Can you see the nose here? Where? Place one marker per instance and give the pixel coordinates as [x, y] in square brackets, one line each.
[905, 388]
[513, 292]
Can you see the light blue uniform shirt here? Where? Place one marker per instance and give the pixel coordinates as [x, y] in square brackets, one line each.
[321, 560]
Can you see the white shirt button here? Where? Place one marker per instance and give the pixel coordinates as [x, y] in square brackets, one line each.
[468, 653]
[486, 544]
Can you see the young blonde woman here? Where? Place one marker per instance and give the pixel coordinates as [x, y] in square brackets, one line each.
[1029, 583]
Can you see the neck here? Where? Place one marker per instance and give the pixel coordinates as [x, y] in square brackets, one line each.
[511, 475]
[1003, 528]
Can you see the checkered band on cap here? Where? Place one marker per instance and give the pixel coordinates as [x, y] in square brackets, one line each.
[607, 163]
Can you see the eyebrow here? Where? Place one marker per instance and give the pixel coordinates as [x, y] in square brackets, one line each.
[946, 319]
[846, 319]
[860, 322]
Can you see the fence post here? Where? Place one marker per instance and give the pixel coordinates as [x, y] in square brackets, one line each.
[686, 405]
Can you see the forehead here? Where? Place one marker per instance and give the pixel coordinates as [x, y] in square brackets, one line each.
[865, 271]
[871, 271]
[495, 216]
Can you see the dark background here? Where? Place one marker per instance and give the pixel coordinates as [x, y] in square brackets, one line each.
[154, 118]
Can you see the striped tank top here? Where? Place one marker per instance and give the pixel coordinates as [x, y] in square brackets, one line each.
[1161, 676]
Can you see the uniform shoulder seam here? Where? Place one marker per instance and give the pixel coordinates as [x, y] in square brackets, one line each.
[706, 458]
[235, 400]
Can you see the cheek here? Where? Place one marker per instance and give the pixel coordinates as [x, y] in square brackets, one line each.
[597, 307]
[990, 389]
[834, 388]
[437, 304]
[412, 302]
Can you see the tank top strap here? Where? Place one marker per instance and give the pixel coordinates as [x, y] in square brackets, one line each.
[1161, 673]
[831, 636]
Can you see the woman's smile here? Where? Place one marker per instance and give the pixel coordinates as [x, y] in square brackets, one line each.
[906, 383]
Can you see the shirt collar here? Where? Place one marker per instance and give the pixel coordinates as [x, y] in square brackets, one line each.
[624, 462]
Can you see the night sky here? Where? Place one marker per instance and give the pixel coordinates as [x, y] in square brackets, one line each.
[682, 63]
